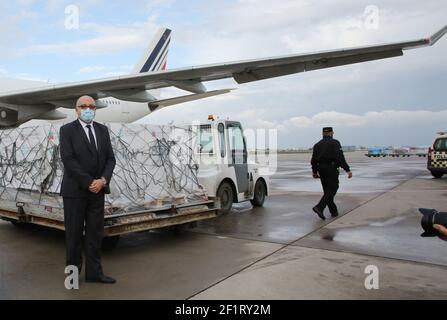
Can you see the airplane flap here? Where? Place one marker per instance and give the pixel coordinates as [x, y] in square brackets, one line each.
[156, 105]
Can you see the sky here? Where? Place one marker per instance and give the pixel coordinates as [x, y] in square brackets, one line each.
[398, 101]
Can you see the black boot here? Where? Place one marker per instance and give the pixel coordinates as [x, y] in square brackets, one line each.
[319, 213]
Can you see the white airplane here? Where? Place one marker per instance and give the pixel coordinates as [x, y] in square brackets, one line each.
[132, 97]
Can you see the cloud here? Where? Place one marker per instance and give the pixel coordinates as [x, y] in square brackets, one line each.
[372, 118]
[92, 69]
[13, 80]
[156, 5]
[31, 77]
[340, 120]
[103, 39]
[53, 5]
[101, 44]
[104, 71]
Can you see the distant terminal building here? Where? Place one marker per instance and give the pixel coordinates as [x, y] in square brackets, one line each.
[349, 148]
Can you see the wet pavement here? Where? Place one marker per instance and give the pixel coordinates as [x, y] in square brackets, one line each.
[389, 225]
[303, 273]
[155, 265]
[280, 251]
[283, 219]
[371, 175]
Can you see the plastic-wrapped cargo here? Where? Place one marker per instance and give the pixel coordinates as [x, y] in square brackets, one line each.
[155, 165]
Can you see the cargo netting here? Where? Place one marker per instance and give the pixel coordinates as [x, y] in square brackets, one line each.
[155, 167]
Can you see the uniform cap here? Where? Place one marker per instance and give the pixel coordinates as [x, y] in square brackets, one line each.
[328, 130]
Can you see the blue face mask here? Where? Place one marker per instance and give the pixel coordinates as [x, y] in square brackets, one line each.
[87, 115]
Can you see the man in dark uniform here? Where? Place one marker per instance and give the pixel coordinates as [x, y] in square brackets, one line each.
[327, 157]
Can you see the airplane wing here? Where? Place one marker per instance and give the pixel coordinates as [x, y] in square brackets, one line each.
[192, 78]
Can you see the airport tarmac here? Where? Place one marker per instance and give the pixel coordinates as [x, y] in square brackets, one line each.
[280, 251]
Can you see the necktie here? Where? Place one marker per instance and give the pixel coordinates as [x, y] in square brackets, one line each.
[91, 137]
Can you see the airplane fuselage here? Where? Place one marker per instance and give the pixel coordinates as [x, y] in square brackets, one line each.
[116, 111]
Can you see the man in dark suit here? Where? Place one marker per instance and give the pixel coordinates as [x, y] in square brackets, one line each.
[327, 157]
[88, 159]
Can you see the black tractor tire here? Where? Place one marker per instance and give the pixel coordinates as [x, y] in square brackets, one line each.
[225, 195]
[259, 194]
[436, 174]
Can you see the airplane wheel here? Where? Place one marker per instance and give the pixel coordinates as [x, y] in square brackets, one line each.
[225, 194]
[259, 195]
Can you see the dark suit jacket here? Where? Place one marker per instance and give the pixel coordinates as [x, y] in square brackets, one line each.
[81, 166]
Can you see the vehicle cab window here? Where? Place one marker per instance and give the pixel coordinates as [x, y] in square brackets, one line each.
[237, 143]
[236, 138]
[221, 130]
[440, 144]
[206, 139]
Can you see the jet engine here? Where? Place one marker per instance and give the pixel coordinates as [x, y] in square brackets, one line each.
[8, 117]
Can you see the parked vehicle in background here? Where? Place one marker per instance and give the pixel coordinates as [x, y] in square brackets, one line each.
[437, 156]
[396, 152]
[375, 152]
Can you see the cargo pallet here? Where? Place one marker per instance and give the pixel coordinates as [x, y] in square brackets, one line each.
[115, 225]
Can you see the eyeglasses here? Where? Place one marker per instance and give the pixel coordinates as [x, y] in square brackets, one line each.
[90, 106]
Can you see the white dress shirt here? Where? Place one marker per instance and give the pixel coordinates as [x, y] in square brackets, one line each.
[84, 125]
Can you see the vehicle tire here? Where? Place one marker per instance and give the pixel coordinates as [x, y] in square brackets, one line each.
[437, 175]
[225, 195]
[259, 194]
[110, 243]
